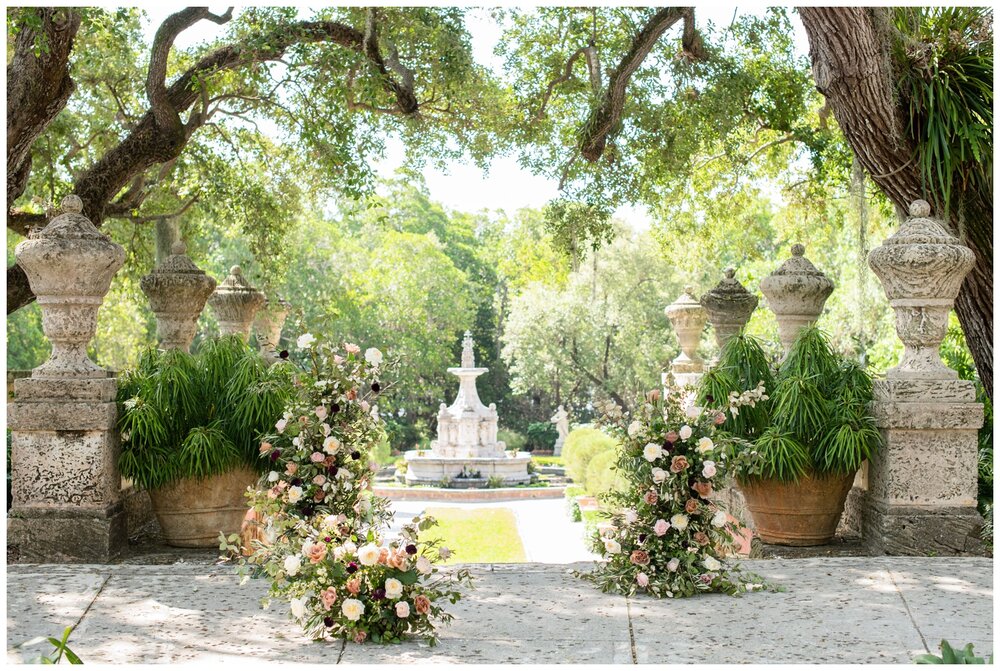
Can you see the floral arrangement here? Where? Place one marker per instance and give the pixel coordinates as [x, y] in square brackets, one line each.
[666, 535]
[325, 549]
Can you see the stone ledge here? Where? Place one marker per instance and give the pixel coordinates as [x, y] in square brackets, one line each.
[915, 391]
[73, 416]
[945, 415]
[922, 530]
[29, 389]
[72, 536]
[470, 495]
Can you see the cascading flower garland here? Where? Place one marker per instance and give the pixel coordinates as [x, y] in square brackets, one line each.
[326, 549]
[666, 534]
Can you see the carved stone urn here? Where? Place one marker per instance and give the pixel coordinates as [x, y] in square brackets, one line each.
[177, 290]
[796, 292]
[69, 265]
[235, 303]
[268, 325]
[688, 317]
[921, 268]
[729, 306]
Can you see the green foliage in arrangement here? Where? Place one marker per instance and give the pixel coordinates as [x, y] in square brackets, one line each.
[581, 446]
[183, 415]
[951, 656]
[814, 417]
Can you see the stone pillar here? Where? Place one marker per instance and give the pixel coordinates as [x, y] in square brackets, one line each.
[688, 319]
[177, 290]
[728, 306]
[922, 484]
[235, 303]
[268, 325]
[65, 481]
[796, 292]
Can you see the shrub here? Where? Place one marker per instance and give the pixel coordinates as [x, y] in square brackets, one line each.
[514, 440]
[581, 446]
[541, 436]
[600, 477]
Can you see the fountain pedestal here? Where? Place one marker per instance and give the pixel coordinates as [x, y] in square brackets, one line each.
[466, 451]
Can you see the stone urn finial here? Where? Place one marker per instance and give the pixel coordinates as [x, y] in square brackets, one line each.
[268, 325]
[177, 290]
[688, 317]
[235, 303]
[729, 306]
[796, 292]
[921, 268]
[468, 354]
[69, 265]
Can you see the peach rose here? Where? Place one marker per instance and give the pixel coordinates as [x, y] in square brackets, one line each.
[651, 497]
[691, 506]
[653, 395]
[351, 394]
[319, 496]
[422, 604]
[639, 557]
[354, 585]
[292, 468]
[678, 463]
[319, 480]
[265, 447]
[701, 538]
[360, 637]
[351, 348]
[316, 553]
[704, 489]
[672, 436]
[383, 556]
[329, 597]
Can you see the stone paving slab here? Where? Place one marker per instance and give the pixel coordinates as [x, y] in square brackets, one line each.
[849, 610]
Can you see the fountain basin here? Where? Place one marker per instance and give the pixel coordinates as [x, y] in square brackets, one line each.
[431, 469]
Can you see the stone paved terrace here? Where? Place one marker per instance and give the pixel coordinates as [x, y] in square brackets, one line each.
[841, 609]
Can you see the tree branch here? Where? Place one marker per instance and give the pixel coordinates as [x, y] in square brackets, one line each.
[605, 118]
[567, 73]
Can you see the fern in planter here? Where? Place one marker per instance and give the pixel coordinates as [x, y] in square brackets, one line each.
[183, 415]
[816, 418]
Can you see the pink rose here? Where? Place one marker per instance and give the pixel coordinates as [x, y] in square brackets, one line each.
[291, 468]
[639, 557]
[320, 412]
[708, 469]
[360, 637]
[319, 480]
[642, 579]
[329, 597]
[651, 497]
[720, 418]
[317, 457]
[337, 359]
[672, 436]
[402, 610]
[661, 527]
[351, 348]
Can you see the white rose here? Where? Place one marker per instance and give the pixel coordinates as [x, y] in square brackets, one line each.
[273, 476]
[708, 469]
[305, 341]
[705, 444]
[281, 424]
[631, 517]
[297, 441]
[298, 606]
[719, 518]
[673, 564]
[350, 547]
[330, 522]
[659, 475]
[611, 546]
[373, 356]
[352, 609]
[652, 451]
[692, 411]
[331, 445]
[711, 563]
[402, 610]
[685, 432]
[393, 588]
[679, 521]
[294, 494]
[326, 428]
[423, 565]
[368, 554]
[339, 552]
[292, 564]
[635, 429]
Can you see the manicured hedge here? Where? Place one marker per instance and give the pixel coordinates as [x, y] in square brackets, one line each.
[582, 445]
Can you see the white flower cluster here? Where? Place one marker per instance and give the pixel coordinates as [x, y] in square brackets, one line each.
[749, 397]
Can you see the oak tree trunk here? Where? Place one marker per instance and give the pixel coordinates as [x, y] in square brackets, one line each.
[852, 69]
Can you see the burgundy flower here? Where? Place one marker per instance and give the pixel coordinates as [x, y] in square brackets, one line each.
[411, 549]
[275, 455]
[642, 538]
[332, 470]
[327, 539]
[378, 594]
[327, 621]
[284, 354]
[296, 482]
[355, 455]
[352, 567]
[334, 408]
[376, 387]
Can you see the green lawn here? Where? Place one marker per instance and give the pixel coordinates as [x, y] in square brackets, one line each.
[548, 461]
[483, 535]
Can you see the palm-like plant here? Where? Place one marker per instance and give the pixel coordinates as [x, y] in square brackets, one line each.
[183, 415]
[816, 418]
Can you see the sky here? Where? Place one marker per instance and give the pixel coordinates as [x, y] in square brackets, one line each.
[463, 186]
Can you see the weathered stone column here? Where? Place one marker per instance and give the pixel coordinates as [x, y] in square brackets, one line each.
[65, 481]
[688, 319]
[235, 303]
[728, 306]
[922, 484]
[268, 325]
[796, 292]
[177, 290]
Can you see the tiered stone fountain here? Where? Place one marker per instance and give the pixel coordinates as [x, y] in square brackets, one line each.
[466, 452]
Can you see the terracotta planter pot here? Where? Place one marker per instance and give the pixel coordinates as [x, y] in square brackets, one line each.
[193, 511]
[800, 513]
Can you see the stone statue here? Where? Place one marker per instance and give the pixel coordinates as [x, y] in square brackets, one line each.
[561, 420]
